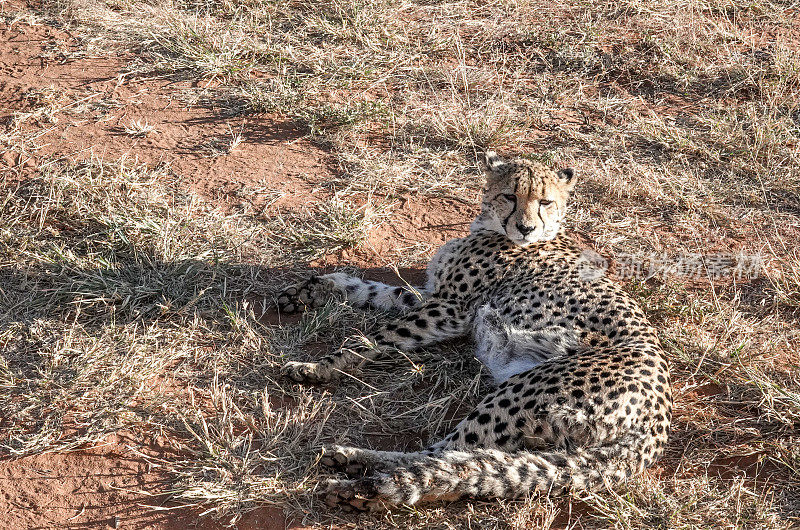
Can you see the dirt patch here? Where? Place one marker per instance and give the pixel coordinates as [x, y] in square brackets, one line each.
[424, 223]
[83, 107]
[111, 485]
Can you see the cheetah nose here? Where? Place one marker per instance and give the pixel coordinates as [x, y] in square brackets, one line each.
[525, 230]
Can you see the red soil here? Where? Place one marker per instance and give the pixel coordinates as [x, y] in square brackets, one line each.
[108, 486]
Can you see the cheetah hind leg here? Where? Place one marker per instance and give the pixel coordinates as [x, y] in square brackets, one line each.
[359, 492]
[370, 485]
[358, 462]
[353, 495]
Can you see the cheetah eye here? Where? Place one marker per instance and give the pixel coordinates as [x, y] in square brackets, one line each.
[543, 202]
[510, 197]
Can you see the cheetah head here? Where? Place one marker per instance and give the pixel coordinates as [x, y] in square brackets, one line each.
[524, 200]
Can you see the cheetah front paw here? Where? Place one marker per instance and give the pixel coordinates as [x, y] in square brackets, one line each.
[310, 294]
[313, 373]
[360, 495]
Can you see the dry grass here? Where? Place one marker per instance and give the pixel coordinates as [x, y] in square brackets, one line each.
[126, 304]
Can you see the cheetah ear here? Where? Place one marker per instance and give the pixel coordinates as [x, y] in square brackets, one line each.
[494, 164]
[567, 176]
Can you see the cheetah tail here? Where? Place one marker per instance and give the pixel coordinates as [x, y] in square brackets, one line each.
[489, 473]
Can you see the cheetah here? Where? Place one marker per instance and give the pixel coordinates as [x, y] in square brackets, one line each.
[582, 397]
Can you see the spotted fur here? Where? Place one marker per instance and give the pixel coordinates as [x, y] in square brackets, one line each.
[583, 396]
